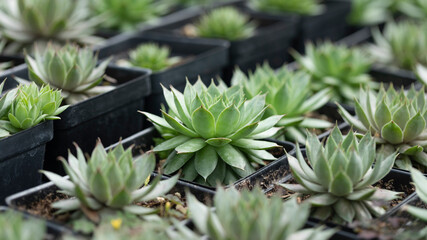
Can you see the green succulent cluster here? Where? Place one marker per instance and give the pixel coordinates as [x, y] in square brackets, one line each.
[126, 15]
[252, 215]
[23, 22]
[27, 106]
[213, 133]
[420, 183]
[109, 180]
[340, 68]
[72, 69]
[225, 23]
[397, 120]
[414, 8]
[152, 56]
[337, 178]
[289, 94]
[401, 44]
[302, 7]
[15, 227]
[369, 12]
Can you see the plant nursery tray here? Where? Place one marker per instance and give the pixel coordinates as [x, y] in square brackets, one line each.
[109, 116]
[271, 41]
[21, 158]
[143, 141]
[200, 57]
[20, 201]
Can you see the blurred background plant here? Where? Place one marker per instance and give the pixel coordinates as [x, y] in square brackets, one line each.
[401, 44]
[338, 67]
[25, 22]
[226, 23]
[16, 227]
[151, 56]
[301, 7]
[127, 15]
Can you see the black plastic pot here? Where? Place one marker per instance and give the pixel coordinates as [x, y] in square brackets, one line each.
[271, 41]
[200, 57]
[144, 140]
[14, 60]
[22, 199]
[21, 158]
[108, 116]
[331, 24]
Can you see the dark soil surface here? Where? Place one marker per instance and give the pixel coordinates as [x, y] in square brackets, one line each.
[171, 205]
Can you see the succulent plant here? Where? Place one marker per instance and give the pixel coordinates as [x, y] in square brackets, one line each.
[337, 178]
[397, 120]
[420, 183]
[302, 7]
[369, 12]
[69, 68]
[152, 56]
[27, 106]
[252, 215]
[214, 132]
[341, 68]
[24, 22]
[225, 23]
[126, 15]
[15, 227]
[401, 44]
[288, 93]
[33, 105]
[414, 8]
[112, 180]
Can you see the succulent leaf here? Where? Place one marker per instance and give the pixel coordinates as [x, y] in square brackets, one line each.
[339, 176]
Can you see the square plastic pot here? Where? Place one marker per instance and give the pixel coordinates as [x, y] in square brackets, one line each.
[25, 198]
[144, 140]
[21, 157]
[109, 116]
[200, 57]
[270, 42]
